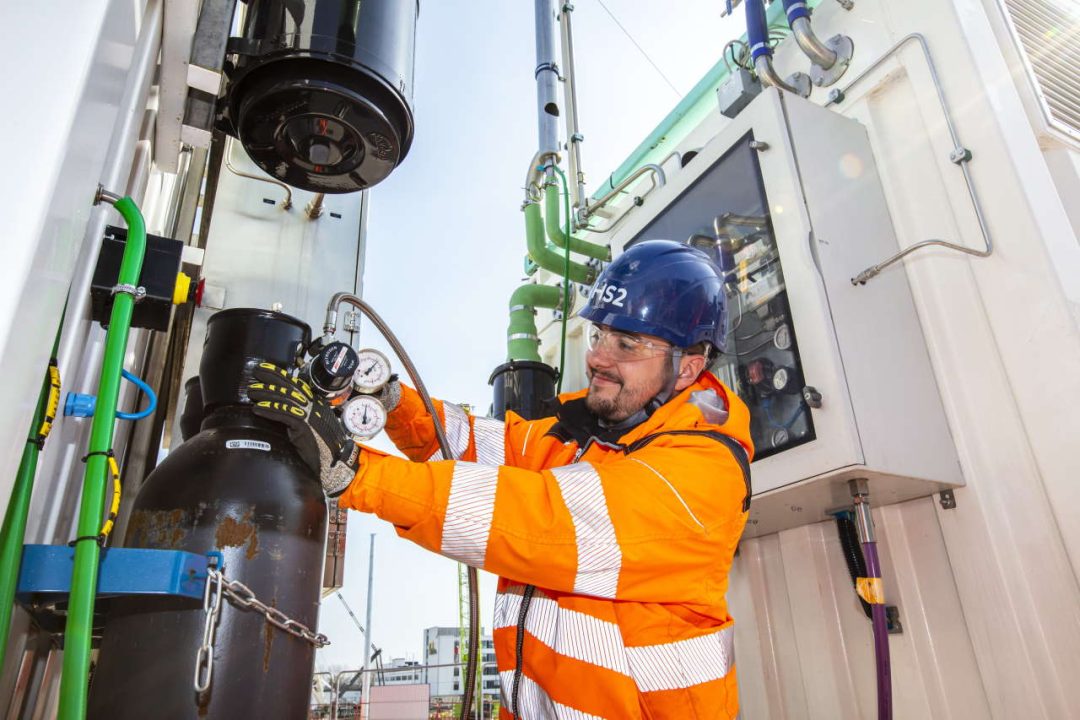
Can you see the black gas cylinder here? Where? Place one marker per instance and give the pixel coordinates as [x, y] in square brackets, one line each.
[237, 487]
[526, 387]
[320, 91]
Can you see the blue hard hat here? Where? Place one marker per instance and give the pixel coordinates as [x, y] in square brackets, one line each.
[662, 288]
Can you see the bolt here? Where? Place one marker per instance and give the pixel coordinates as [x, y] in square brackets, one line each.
[836, 95]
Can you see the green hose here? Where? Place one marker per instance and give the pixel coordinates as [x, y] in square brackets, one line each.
[14, 529]
[558, 234]
[77, 633]
[545, 256]
[521, 339]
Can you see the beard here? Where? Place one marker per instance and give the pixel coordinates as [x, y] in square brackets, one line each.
[618, 399]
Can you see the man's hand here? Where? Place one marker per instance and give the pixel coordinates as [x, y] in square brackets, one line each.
[390, 394]
[313, 428]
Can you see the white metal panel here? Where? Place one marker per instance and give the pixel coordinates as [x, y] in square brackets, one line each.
[895, 399]
[804, 646]
[259, 254]
[81, 131]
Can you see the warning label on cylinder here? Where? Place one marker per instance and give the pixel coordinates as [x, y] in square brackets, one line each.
[247, 445]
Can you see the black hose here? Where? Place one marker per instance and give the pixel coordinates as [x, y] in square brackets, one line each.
[853, 556]
[474, 644]
[526, 598]
[440, 433]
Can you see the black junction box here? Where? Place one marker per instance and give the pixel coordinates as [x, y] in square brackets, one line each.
[159, 271]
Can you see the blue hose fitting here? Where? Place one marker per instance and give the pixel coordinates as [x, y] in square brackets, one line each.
[80, 405]
[796, 9]
[757, 30]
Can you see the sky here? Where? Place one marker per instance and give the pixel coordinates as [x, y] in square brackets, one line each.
[445, 238]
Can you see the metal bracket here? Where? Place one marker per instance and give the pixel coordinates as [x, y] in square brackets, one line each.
[351, 321]
[947, 500]
[892, 620]
[959, 155]
[45, 579]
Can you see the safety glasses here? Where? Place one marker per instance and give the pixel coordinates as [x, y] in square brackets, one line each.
[623, 347]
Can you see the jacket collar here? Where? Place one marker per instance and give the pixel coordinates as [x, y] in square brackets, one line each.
[706, 404]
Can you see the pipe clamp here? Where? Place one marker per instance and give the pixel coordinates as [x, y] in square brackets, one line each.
[522, 336]
[137, 292]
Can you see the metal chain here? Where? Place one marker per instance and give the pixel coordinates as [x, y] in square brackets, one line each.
[204, 658]
[243, 597]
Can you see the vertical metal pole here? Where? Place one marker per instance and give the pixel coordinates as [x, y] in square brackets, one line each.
[366, 685]
[547, 78]
[574, 138]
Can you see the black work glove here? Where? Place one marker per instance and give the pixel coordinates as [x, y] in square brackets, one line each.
[313, 427]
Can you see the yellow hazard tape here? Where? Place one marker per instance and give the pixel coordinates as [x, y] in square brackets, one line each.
[53, 404]
[114, 508]
[872, 590]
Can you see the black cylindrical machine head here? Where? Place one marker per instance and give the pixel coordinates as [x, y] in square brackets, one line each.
[192, 416]
[524, 386]
[238, 338]
[321, 95]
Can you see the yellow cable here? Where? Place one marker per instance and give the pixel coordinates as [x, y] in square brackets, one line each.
[54, 401]
[114, 509]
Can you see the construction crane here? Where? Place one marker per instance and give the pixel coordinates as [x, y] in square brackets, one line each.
[376, 652]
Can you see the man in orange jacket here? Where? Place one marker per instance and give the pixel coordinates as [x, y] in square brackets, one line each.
[612, 524]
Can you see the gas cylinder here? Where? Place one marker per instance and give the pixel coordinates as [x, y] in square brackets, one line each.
[238, 487]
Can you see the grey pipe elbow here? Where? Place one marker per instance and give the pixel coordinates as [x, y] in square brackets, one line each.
[819, 53]
[767, 74]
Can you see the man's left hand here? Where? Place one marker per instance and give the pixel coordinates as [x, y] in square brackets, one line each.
[313, 427]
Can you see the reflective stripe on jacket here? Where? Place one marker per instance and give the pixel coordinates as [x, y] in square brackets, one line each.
[628, 543]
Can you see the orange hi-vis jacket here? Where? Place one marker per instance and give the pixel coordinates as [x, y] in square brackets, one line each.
[628, 542]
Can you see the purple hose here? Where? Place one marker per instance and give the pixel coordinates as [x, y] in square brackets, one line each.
[881, 638]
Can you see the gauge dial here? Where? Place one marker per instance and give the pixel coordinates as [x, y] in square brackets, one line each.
[779, 437]
[782, 337]
[372, 372]
[364, 417]
[780, 379]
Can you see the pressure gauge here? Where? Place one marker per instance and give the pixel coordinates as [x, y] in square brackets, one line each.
[372, 372]
[780, 437]
[364, 417]
[785, 380]
[782, 337]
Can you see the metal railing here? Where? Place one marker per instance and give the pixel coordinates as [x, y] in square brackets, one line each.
[415, 692]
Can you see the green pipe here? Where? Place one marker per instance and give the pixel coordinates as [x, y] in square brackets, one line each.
[545, 256]
[14, 528]
[522, 342]
[687, 115]
[76, 668]
[559, 236]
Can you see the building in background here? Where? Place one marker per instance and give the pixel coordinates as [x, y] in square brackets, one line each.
[442, 650]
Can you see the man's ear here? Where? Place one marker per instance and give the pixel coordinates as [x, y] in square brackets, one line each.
[690, 366]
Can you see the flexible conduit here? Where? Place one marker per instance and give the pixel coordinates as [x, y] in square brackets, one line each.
[440, 433]
[76, 667]
[14, 529]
